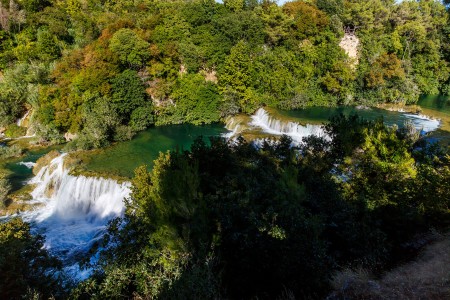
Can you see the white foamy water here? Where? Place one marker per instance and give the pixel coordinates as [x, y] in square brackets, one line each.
[265, 123]
[423, 123]
[235, 128]
[28, 164]
[297, 132]
[74, 212]
[21, 120]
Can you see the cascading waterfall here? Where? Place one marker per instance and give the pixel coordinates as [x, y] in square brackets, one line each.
[422, 122]
[297, 132]
[75, 211]
[28, 164]
[234, 126]
[263, 122]
[20, 122]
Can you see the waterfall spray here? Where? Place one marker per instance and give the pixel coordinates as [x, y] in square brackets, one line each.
[75, 211]
[297, 132]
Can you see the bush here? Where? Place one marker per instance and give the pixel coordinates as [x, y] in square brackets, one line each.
[128, 93]
[26, 266]
[142, 118]
[15, 131]
[8, 152]
[5, 186]
[123, 133]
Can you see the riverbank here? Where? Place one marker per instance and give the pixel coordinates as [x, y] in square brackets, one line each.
[119, 160]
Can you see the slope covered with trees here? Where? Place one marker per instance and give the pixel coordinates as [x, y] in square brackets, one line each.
[227, 220]
[104, 70]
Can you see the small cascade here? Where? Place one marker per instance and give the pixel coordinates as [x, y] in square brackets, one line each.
[235, 127]
[28, 164]
[423, 123]
[22, 122]
[297, 132]
[75, 210]
[25, 121]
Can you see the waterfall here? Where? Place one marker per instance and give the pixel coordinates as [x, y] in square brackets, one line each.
[297, 132]
[20, 122]
[28, 164]
[422, 122]
[234, 126]
[74, 211]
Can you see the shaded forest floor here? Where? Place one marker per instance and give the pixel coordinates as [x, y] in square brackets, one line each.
[427, 277]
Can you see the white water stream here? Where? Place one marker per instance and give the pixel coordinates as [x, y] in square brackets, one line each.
[423, 123]
[74, 211]
[261, 120]
[297, 132]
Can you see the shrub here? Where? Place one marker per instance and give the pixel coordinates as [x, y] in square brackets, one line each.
[8, 152]
[123, 133]
[5, 186]
[15, 131]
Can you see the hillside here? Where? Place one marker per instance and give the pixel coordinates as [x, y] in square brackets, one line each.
[103, 71]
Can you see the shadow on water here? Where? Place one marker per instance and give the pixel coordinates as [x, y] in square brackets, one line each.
[438, 103]
[121, 159]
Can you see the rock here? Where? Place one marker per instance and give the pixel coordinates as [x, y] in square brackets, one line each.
[210, 75]
[183, 70]
[350, 43]
[70, 136]
[44, 161]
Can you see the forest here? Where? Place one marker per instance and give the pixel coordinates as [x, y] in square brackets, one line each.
[103, 70]
[228, 219]
[233, 221]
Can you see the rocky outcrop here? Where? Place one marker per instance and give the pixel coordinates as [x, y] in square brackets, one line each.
[70, 136]
[350, 43]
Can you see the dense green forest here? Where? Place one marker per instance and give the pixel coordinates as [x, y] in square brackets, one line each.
[104, 70]
[228, 220]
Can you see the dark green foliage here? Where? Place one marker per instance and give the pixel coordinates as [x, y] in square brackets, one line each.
[47, 46]
[27, 268]
[229, 220]
[10, 151]
[331, 7]
[128, 93]
[142, 117]
[5, 186]
[196, 102]
[129, 47]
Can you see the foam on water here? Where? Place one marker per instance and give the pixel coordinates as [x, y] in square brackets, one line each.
[297, 132]
[268, 124]
[422, 122]
[28, 164]
[74, 211]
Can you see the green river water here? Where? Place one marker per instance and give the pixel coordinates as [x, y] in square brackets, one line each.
[122, 158]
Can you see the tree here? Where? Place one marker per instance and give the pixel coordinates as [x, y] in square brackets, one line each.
[5, 186]
[128, 93]
[237, 76]
[307, 19]
[27, 268]
[129, 47]
[386, 68]
[234, 5]
[100, 120]
[196, 101]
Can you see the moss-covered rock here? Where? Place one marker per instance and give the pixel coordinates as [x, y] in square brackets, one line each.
[45, 160]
